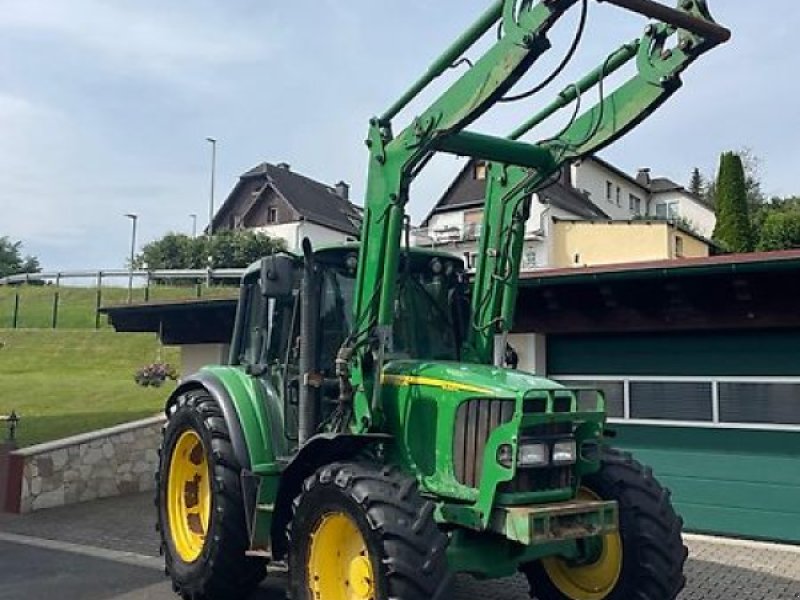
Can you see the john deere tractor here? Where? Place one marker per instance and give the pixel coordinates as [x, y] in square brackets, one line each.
[363, 431]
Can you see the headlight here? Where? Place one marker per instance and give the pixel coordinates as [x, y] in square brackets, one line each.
[565, 453]
[532, 455]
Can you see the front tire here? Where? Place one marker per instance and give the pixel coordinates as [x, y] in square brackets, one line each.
[643, 561]
[362, 532]
[201, 516]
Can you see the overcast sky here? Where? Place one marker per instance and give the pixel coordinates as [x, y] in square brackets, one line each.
[105, 106]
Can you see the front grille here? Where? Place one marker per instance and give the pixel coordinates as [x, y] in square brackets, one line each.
[475, 422]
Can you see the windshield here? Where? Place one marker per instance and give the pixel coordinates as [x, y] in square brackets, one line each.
[423, 326]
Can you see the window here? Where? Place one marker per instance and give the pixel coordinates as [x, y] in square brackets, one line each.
[635, 204]
[678, 246]
[529, 259]
[479, 171]
[671, 401]
[619, 196]
[272, 215]
[470, 260]
[472, 224]
[666, 210]
[706, 402]
[614, 392]
[609, 190]
[768, 403]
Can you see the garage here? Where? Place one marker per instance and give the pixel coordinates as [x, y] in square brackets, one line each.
[700, 362]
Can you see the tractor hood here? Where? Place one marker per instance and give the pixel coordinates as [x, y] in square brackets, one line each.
[485, 380]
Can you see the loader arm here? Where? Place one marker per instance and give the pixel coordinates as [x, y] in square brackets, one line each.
[517, 169]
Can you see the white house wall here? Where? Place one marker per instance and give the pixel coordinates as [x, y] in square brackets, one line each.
[322, 236]
[592, 177]
[702, 218]
[293, 234]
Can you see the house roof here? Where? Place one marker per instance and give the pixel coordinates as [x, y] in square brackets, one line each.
[312, 200]
[660, 185]
[468, 192]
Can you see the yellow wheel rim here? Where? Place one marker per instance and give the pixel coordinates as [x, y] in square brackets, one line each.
[588, 582]
[339, 565]
[188, 496]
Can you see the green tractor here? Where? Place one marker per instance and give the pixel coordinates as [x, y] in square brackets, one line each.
[363, 431]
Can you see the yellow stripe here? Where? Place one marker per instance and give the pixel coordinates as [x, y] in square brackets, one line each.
[451, 386]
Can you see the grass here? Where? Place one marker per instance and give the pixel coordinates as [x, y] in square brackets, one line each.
[66, 382]
[76, 305]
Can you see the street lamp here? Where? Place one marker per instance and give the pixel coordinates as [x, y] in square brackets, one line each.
[193, 217]
[134, 218]
[213, 143]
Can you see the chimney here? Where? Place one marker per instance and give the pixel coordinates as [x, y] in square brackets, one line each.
[284, 166]
[643, 177]
[343, 190]
[565, 177]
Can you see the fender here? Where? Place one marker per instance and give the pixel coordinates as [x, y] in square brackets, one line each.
[243, 409]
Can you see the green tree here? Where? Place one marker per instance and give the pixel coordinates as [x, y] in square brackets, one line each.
[173, 251]
[734, 231]
[780, 231]
[752, 181]
[697, 183]
[228, 249]
[12, 262]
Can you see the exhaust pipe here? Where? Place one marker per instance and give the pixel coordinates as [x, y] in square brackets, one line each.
[308, 401]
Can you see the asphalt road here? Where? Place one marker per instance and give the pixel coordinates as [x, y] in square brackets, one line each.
[106, 551]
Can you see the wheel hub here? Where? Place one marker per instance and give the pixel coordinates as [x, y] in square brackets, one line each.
[596, 573]
[339, 565]
[188, 496]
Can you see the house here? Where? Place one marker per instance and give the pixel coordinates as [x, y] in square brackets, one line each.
[674, 222]
[586, 243]
[286, 205]
[625, 197]
[454, 224]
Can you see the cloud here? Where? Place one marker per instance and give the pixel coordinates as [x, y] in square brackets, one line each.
[143, 35]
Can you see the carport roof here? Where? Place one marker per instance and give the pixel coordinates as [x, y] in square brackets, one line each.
[733, 292]
[729, 263]
[208, 321]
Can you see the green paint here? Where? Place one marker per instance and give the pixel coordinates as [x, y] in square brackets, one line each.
[249, 400]
[741, 353]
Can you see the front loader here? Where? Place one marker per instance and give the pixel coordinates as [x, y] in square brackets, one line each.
[362, 432]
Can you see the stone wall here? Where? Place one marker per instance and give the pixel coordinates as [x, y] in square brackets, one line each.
[110, 462]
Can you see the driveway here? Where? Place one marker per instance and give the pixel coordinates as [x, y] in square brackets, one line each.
[107, 550]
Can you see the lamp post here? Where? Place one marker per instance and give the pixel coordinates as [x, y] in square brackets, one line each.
[213, 143]
[193, 217]
[134, 218]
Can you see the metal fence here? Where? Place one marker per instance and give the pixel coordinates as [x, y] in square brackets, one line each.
[72, 299]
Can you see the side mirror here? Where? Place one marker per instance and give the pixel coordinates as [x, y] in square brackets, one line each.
[278, 274]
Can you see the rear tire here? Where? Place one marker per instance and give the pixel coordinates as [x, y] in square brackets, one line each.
[362, 532]
[205, 556]
[652, 551]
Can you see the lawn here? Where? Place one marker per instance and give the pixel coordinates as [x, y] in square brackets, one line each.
[76, 305]
[67, 382]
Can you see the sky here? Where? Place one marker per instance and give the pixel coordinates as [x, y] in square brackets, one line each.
[105, 106]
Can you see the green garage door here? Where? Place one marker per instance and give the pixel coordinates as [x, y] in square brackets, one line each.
[717, 416]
